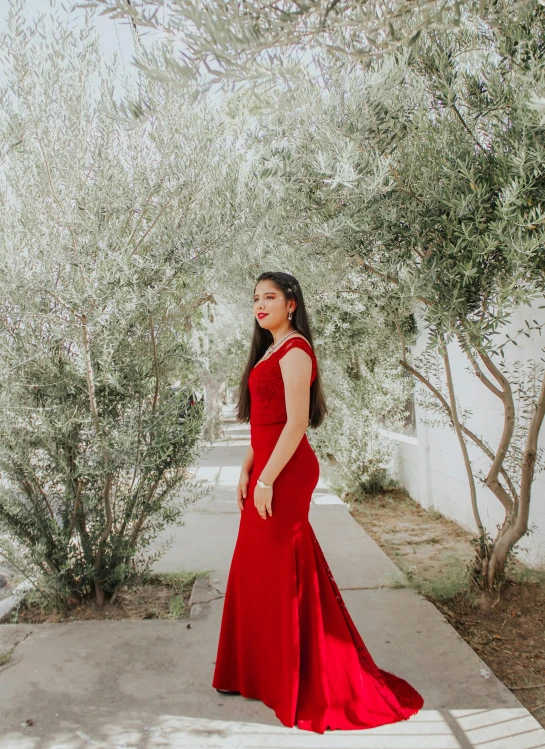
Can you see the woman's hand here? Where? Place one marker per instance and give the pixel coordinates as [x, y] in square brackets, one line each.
[263, 501]
[242, 488]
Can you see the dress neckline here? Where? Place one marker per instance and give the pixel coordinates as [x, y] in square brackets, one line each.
[262, 361]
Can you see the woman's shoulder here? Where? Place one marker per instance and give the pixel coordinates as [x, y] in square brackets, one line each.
[296, 340]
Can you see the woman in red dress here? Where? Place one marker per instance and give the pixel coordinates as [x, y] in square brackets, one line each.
[286, 637]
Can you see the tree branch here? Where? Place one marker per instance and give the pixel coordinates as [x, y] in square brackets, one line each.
[529, 461]
[478, 371]
[508, 425]
[155, 365]
[466, 126]
[75, 510]
[386, 276]
[461, 440]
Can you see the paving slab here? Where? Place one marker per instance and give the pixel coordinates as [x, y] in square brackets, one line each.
[207, 539]
[148, 683]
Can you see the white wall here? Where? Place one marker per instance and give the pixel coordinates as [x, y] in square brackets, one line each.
[431, 466]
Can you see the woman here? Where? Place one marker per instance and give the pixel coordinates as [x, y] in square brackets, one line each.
[286, 636]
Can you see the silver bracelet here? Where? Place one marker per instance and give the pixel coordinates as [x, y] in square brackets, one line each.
[262, 485]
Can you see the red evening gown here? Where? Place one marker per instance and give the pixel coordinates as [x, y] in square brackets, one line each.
[286, 636]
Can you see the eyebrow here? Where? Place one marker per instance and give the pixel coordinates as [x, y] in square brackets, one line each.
[266, 292]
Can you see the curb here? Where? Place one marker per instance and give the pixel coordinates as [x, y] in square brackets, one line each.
[205, 590]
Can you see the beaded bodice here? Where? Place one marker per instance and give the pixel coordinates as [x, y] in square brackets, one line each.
[267, 397]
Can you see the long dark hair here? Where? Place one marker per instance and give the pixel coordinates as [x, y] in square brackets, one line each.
[262, 339]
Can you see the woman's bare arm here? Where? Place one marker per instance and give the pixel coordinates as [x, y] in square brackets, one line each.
[242, 488]
[296, 368]
[248, 462]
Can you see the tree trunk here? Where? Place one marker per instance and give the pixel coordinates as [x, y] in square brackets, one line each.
[516, 526]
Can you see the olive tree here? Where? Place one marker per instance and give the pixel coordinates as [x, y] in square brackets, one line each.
[105, 236]
[258, 41]
[459, 225]
[424, 168]
[366, 391]
[427, 172]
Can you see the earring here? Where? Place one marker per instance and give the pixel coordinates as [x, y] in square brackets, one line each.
[289, 316]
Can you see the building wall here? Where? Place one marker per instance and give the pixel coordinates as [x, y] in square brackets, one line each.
[431, 466]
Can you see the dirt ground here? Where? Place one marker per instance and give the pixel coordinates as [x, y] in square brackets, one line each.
[507, 630]
[161, 597]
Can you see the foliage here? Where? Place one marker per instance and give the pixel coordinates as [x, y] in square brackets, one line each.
[253, 41]
[366, 390]
[353, 452]
[104, 234]
[357, 352]
[422, 170]
[426, 172]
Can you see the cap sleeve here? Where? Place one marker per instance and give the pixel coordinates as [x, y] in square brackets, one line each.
[296, 343]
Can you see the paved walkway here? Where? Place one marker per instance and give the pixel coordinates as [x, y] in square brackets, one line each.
[148, 683]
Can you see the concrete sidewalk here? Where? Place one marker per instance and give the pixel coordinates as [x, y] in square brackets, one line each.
[148, 683]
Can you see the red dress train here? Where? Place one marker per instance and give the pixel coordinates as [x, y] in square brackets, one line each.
[286, 636]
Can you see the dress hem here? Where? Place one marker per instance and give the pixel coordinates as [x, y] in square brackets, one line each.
[298, 722]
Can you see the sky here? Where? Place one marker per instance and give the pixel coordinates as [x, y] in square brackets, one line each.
[114, 34]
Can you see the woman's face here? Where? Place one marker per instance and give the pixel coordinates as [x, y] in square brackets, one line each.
[270, 305]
